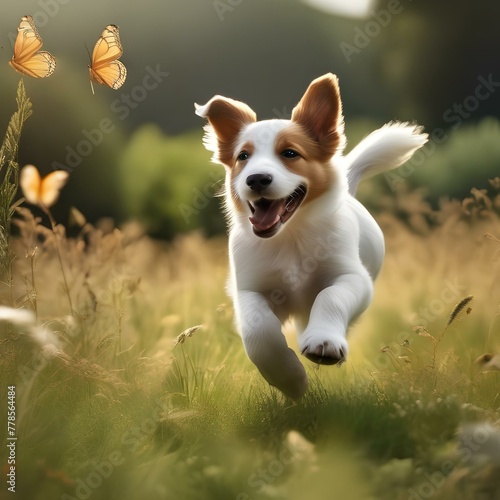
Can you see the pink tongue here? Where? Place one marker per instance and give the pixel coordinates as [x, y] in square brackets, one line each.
[267, 213]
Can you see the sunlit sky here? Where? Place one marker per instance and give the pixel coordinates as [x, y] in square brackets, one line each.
[351, 8]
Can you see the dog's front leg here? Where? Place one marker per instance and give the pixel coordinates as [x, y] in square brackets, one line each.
[335, 307]
[266, 345]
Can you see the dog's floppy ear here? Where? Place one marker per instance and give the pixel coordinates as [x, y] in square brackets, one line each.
[319, 112]
[226, 117]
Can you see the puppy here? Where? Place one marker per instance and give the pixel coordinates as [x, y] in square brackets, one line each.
[301, 246]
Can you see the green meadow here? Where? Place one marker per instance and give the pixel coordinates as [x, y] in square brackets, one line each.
[130, 381]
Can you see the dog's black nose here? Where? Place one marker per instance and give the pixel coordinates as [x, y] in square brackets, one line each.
[259, 182]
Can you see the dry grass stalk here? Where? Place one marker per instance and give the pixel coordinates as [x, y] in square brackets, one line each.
[181, 338]
[459, 307]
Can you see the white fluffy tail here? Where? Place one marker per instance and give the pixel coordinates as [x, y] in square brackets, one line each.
[382, 150]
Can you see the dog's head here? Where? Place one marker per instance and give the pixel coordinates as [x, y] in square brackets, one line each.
[274, 167]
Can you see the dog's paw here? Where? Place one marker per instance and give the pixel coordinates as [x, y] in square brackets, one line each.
[325, 349]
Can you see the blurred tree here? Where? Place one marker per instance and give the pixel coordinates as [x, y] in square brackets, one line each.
[167, 183]
[433, 55]
[468, 158]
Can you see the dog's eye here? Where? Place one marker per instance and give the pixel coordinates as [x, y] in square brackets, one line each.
[243, 156]
[289, 153]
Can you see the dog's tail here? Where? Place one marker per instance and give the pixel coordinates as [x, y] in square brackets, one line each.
[382, 150]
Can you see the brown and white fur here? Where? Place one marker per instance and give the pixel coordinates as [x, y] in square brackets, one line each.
[300, 245]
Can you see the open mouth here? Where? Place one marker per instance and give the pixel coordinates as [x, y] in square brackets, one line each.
[269, 215]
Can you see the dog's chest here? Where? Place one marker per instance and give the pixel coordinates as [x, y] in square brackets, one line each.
[288, 273]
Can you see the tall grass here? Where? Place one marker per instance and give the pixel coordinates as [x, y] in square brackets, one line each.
[149, 393]
[9, 175]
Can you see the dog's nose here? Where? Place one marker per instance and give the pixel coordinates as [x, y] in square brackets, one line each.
[259, 182]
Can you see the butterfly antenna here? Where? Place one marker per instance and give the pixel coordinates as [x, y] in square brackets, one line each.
[88, 52]
[90, 66]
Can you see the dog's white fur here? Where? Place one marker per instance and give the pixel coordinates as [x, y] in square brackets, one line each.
[318, 265]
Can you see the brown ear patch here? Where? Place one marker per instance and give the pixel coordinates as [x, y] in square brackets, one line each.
[226, 118]
[319, 112]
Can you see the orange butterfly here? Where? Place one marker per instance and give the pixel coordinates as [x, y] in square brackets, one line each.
[105, 67]
[38, 191]
[26, 59]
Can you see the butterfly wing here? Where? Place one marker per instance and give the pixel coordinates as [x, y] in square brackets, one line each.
[108, 47]
[112, 74]
[30, 181]
[51, 186]
[25, 59]
[28, 40]
[105, 68]
[41, 65]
